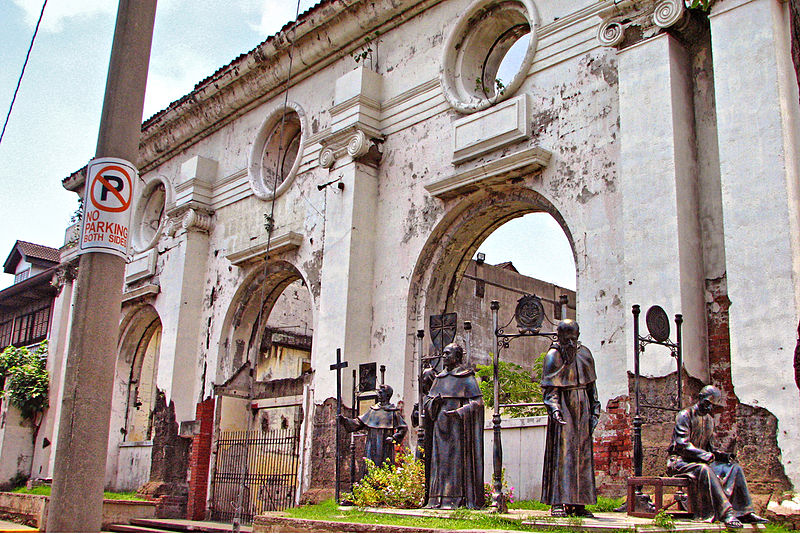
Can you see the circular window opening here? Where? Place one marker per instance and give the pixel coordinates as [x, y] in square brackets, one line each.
[505, 59]
[276, 152]
[149, 216]
[489, 53]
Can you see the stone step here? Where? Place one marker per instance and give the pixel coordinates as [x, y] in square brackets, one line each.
[131, 528]
[184, 525]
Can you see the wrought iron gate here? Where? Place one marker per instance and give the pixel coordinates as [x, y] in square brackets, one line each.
[255, 470]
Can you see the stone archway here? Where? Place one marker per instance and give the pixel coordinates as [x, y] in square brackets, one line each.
[130, 445]
[263, 373]
[452, 244]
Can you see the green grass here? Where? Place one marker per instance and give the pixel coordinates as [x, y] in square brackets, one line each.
[458, 520]
[45, 490]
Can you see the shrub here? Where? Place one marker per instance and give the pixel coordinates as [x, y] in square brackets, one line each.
[398, 485]
[26, 379]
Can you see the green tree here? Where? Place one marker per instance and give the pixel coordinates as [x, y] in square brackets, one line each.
[516, 386]
[25, 381]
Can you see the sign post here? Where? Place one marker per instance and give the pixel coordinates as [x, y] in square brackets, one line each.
[76, 500]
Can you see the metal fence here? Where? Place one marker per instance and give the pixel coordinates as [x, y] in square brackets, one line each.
[256, 471]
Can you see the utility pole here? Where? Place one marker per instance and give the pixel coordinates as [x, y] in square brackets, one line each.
[79, 475]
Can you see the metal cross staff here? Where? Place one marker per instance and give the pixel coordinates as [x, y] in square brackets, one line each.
[338, 366]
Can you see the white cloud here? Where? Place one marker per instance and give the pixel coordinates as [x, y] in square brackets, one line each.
[276, 13]
[57, 12]
[172, 74]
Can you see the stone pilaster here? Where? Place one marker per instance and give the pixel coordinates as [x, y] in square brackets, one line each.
[183, 332]
[757, 115]
[351, 153]
[658, 178]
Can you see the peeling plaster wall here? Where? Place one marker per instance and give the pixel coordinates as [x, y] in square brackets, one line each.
[405, 249]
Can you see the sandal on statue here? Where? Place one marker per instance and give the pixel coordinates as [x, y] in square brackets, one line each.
[557, 510]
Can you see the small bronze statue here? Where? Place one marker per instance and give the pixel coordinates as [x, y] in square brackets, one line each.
[385, 427]
[720, 489]
[454, 429]
[568, 388]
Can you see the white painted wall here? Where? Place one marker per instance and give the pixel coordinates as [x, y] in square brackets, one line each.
[523, 440]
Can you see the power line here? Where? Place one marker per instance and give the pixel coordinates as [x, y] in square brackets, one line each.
[21, 74]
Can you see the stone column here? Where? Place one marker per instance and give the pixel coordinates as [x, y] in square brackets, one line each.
[658, 178]
[183, 280]
[757, 116]
[351, 155]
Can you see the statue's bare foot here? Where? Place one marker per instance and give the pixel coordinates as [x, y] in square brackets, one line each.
[732, 522]
[752, 518]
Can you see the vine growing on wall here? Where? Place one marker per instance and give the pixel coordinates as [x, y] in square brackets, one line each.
[25, 381]
[705, 5]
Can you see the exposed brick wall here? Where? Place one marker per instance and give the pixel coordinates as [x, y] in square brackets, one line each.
[199, 461]
[719, 356]
[613, 449]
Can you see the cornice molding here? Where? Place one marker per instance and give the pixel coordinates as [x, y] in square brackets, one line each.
[511, 166]
[277, 245]
[326, 34]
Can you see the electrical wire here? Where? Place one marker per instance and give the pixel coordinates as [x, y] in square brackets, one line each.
[21, 74]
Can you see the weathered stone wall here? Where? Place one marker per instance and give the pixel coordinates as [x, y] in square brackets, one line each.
[647, 150]
[480, 285]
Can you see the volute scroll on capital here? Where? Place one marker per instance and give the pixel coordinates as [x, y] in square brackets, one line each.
[651, 18]
[358, 143]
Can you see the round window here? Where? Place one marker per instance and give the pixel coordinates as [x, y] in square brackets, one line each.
[276, 152]
[149, 216]
[489, 53]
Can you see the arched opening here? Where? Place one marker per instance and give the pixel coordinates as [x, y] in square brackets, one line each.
[529, 255]
[135, 390]
[449, 279]
[264, 370]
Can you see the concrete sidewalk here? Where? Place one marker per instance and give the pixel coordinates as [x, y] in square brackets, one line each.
[8, 526]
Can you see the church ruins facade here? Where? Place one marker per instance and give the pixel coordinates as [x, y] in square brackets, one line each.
[354, 162]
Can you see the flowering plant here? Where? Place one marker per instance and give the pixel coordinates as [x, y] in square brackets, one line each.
[508, 490]
[392, 485]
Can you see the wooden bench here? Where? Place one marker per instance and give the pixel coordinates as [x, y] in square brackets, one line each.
[658, 484]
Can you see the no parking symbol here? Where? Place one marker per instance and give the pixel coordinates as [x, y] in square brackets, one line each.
[106, 219]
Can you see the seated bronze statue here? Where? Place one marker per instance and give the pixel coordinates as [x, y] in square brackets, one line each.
[719, 491]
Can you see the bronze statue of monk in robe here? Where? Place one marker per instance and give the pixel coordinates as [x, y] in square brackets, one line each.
[454, 429]
[568, 388]
[720, 490]
[385, 427]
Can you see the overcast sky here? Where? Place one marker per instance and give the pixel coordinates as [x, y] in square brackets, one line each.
[53, 127]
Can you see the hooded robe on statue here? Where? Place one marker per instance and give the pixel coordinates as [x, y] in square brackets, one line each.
[385, 427]
[455, 456]
[568, 387]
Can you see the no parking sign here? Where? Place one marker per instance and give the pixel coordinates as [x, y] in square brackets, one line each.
[107, 206]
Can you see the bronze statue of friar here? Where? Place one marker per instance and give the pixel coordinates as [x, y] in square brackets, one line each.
[570, 396]
[454, 435]
[385, 427]
[719, 491]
